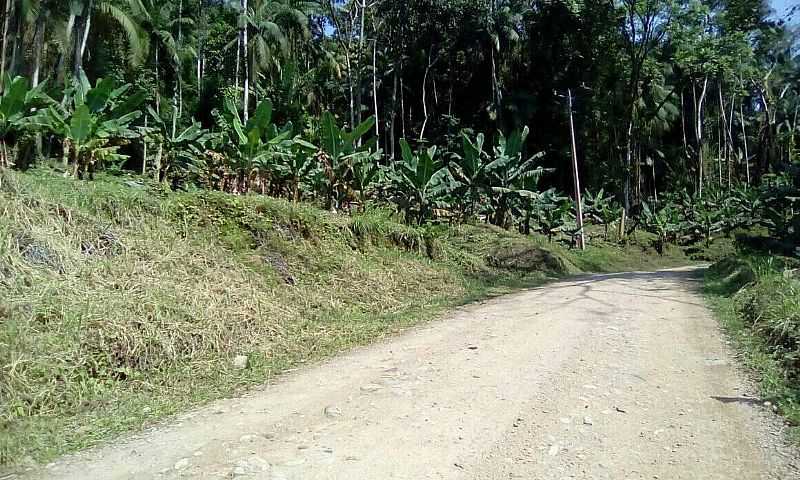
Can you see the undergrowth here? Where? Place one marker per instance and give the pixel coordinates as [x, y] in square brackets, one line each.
[123, 303]
[757, 298]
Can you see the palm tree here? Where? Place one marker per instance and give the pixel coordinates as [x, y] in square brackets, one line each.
[263, 38]
[32, 21]
[18, 15]
[503, 22]
[81, 15]
[163, 29]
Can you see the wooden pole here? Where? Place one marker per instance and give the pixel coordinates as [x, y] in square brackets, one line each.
[578, 202]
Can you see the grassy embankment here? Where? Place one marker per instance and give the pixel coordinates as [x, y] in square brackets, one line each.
[757, 299]
[121, 303]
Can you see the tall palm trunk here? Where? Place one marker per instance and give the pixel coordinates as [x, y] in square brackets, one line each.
[158, 83]
[39, 38]
[80, 37]
[375, 89]
[177, 103]
[86, 28]
[6, 24]
[245, 57]
[359, 56]
[200, 53]
[17, 46]
[699, 135]
[393, 115]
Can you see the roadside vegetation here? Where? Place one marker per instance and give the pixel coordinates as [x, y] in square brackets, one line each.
[198, 194]
[757, 298]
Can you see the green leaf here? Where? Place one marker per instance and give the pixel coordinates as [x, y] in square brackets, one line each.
[98, 97]
[405, 149]
[262, 117]
[362, 129]
[13, 100]
[331, 135]
[130, 104]
[302, 143]
[80, 125]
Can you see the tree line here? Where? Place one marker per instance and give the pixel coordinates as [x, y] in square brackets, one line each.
[343, 101]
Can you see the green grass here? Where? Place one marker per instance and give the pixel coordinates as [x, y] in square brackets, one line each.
[759, 308]
[123, 303]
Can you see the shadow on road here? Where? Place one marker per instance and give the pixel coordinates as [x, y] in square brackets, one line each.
[656, 285]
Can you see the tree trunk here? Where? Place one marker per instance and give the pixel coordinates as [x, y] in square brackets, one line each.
[495, 88]
[729, 132]
[699, 134]
[402, 105]
[744, 139]
[4, 163]
[351, 90]
[158, 83]
[16, 47]
[179, 70]
[245, 56]
[359, 56]
[628, 163]
[177, 104]
[144, 149]
[375, 90]
[425, 95]
[80, 36]
[175, 107]
[39, 38]
[683, 125]
[393, 118]
[200, 45]
[6, 24]
[87, 25]
[159, 157]
[721, 146]
[239, 58]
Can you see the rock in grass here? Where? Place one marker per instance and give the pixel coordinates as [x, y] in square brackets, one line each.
[240, 362]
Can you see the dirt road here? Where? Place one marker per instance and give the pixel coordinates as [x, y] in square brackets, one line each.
[618, 376]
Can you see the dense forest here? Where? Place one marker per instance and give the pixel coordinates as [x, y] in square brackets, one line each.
[455, 109]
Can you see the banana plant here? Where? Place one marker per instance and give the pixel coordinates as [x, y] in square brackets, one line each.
[419, 181]
[298, 166]
[601, 209]
[551, 212]
[94, 122]
[179, 152]
[509, 173]
[366, 174]
[664, 223]
[342, 149]
[18, 113]
[469, 170]
[256, 145]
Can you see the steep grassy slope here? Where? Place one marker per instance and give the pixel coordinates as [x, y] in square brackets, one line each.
[121, 303]
[757, 299]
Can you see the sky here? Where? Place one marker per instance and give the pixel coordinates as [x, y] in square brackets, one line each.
[781, 6]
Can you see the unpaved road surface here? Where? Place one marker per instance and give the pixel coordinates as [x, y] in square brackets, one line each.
[618, 376]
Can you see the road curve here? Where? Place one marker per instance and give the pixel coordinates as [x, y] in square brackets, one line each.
[622, 376]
